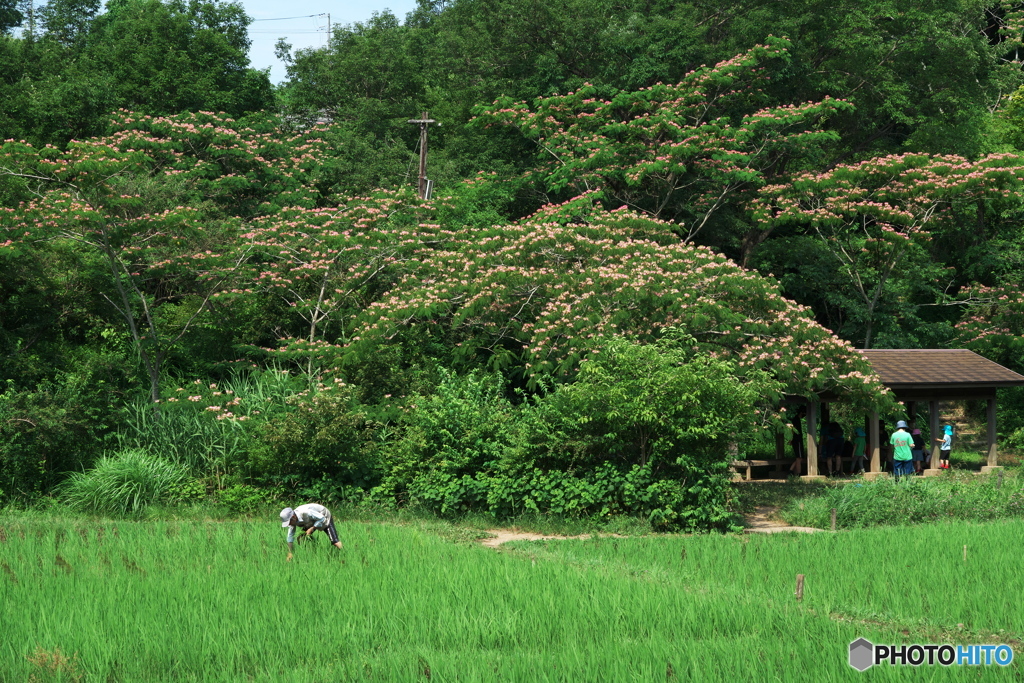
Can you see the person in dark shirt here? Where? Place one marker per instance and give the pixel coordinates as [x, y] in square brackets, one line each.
[834, 449]
[859, 451]
[917, 452]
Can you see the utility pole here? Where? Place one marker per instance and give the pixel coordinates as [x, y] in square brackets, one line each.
[425, 186]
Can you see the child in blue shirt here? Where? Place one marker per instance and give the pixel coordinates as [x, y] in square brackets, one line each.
[945, 446]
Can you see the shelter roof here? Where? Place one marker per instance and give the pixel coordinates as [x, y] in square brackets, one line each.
[945, 370]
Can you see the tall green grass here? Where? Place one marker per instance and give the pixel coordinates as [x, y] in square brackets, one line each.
[184, 431]
[123, 484]
[217, 602]
[914, 500]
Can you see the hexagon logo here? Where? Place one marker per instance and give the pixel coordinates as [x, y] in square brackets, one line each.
[862, 654]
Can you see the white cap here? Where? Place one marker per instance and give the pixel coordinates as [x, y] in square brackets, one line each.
[286, 517]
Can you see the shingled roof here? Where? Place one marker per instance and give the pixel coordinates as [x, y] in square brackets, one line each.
[950, 371]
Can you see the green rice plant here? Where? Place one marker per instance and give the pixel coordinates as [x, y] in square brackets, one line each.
[123, 484]
[208, 601]
[922, 580]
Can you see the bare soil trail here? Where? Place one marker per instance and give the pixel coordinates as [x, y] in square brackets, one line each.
[761, 521]
[501, 536]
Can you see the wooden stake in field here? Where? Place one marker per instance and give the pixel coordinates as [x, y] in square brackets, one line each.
[965, 553]
[800, 586]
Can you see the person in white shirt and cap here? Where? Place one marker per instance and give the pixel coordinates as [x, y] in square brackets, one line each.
[309, 517]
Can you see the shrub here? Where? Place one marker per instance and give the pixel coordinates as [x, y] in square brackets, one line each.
[124, 484]
[58, 425]
[637, 403]
[644, 430]
[189, 490]
[462, 430]
[665, 418]
[245, 499]
[325, 435]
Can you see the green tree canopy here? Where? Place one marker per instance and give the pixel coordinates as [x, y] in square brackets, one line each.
[10, 16]
[145, 55]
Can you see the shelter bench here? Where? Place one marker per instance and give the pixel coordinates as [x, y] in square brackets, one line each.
[746, 465]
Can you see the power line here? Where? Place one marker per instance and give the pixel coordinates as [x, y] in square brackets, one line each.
[291, 33]
[304, 16]
[299, 31]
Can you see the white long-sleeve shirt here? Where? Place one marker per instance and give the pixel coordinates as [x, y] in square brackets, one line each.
[310, 515]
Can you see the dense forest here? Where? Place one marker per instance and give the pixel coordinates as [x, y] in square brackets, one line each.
[650, 221]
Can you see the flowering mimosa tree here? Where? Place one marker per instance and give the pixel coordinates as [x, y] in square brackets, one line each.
[876, 218]
[543, 293]
[678, 152]
[157, 205]
[326, 264]
[992, 322]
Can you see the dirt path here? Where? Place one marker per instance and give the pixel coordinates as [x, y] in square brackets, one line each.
[501, 536]
[760, 522]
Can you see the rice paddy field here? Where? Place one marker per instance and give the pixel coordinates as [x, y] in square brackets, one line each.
[172, 601]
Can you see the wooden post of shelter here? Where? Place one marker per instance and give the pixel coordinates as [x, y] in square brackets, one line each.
[874, 445]
[933, 432]
[810, 438]
[824, 420]
[912, 421]
[993, 455]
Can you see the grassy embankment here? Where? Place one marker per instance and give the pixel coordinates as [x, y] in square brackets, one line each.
[958, 494]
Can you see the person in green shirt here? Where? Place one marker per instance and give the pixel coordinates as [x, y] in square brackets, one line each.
[902, 451]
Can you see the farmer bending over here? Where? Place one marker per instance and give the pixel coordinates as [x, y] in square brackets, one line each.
[309, 517]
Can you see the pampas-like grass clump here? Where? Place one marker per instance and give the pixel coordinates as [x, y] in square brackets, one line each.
[123, 484]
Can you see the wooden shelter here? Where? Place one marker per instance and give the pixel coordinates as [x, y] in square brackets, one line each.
[932, 375]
